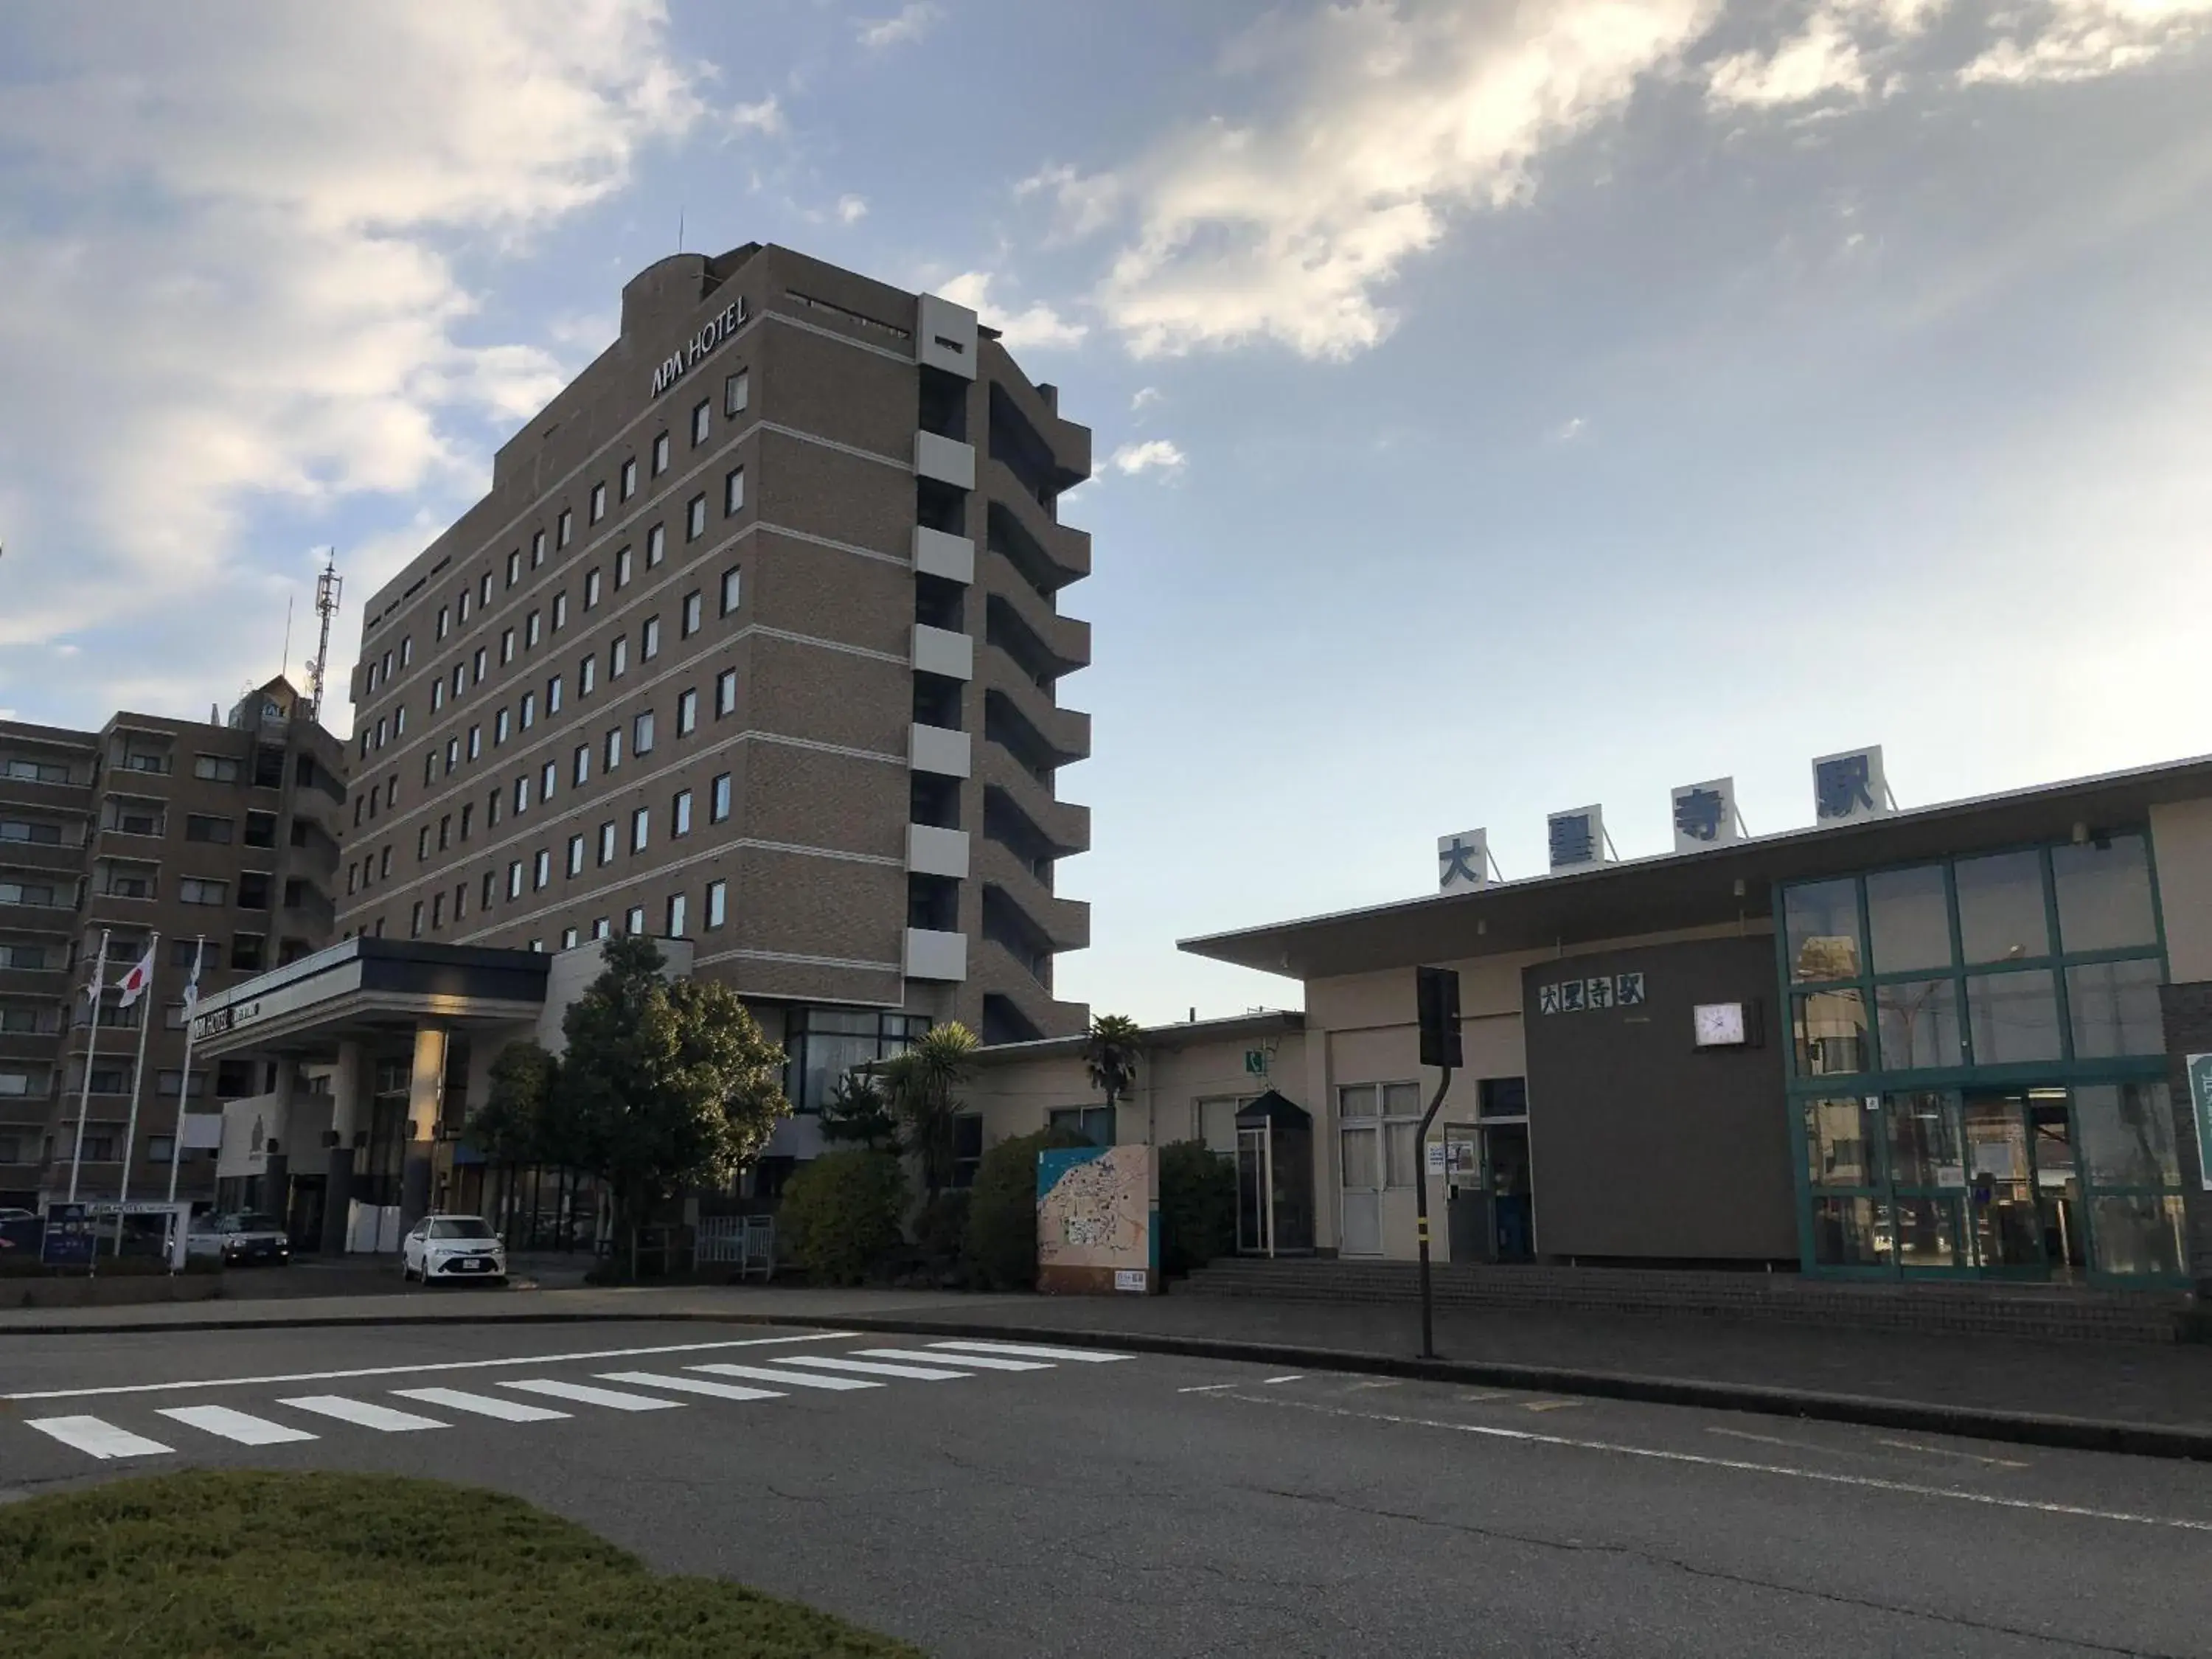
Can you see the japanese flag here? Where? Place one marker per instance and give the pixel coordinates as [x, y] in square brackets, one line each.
[192, 985]
[133, 984]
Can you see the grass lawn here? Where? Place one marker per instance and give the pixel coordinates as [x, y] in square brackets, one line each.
[211, 1565]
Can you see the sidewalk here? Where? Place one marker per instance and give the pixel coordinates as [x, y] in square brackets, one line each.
[2119, 1395]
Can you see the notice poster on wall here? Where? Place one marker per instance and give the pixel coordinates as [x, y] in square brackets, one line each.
[1099, 1220]
[2200, 1100]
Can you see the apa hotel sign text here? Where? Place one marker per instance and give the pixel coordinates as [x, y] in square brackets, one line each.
[719, 328]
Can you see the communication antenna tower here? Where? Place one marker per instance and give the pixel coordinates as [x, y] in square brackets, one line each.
[328, 586]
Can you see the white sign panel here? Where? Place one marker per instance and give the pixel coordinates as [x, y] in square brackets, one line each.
[1576, 838]
[1705, 815]
[1463, 861]
[1131, 1279]
[1849, 786]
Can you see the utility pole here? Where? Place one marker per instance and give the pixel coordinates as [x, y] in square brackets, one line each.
[1436, 995]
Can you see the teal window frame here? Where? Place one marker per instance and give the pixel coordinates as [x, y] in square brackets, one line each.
[2066, 1070]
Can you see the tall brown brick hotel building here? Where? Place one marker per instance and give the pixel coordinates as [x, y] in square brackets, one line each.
[755, 642]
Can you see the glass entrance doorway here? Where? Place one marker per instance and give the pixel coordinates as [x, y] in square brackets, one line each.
[2024, 1202]
[1274, 1177]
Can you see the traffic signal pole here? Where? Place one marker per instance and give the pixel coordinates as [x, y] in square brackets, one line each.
[1436, 998]
[1421, 1214]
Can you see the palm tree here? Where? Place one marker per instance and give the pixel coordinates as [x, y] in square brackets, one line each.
[1111, 1048]
[922, 1086]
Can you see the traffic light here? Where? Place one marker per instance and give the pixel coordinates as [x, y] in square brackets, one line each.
[1435, 991]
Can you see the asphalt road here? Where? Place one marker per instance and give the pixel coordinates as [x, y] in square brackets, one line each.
[1165, 1507]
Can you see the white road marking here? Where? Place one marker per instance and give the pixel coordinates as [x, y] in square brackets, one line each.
[975, 1361]
[89, 1434]
[1031, 1350]
[762, 1374]
[1763, 1439]
[242, 1427]
[1209, 1387]
[588, 1394]
[690, 1385]
[369, 1415]
[1823, 1477]
[876, 1367]
[1370, 1382]
[1292, 1376]
[435, 1365]
[1946, 1451]
[484, 1405]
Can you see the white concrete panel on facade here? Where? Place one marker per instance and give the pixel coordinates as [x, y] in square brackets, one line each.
[940, 651]
[931, 954]
[947, 460]
[938, 553]
[930, 851]
[945, 336]
[937, 749]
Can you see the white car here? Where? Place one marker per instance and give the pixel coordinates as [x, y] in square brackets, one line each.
[453, 1248]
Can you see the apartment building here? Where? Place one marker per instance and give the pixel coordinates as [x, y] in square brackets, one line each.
[755, 642]
[216, 837]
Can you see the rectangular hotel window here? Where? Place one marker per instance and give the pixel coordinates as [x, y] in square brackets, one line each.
[444, 831]
[641, 828]
[564, 528]
[499, 728]
[414, 921]
[731, 589]
[464, 613]
[383, 866]
[633, 923]
[581, 773]
[468, 817]
[687, 712]
[437, 694]
[476, 741]
[648, 642]
[541, 868]
[640, 736]
[529, 709]
[437, 911]
[591, 588]
[629, 478]
[656, 545]
[676, 907]
[702, 421]
[718, 798]
[621, 570]
[537, 549]
[514, 566]
[618, 656]
[733, 492]
[406, 652]
[484, 590]
[429, 767]
[612, 756]
[561, 610]
[679, 814]
[506, 646]
[587, 675]
[460, 900]
[452, 754]
[531, 632]
[694, 609]
[568, 939]
[422, 844]
[660, 454]
[718, 909]
[460, 677]
[491, 810]
[598, 927]
[491, 890]
[481, 665]
[553, 695]
[514, 879]
[521, 795]
[445, 622]
[576, 856]
[599, 502]
[548, 775]
[735, 392]
[726, 693]
[607, 842]
[694, 517]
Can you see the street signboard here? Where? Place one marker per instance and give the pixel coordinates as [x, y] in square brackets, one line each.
[69, 1239]
[2200, 1097]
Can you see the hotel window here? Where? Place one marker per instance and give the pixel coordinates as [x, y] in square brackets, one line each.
[491, 890]
[598, 927]
[694, 608]
[514, 879]
[621, 570]
[514, 566]
[640, 736]
[576, 856]
[484, 590]
[430, 769]
[702, 421]
[548, 775]
[437, 911]
[521, 795]
[679, 814]
[536, 550]
[591, 588]
[676, 917]
[732, 589]
[482, 666]
[648, 642]
[607, 842]
[587, 676]
[379, 734]
[445, 622]
[581, 773]
[733, 492]
[618, 656]
[499, 728]
[414, 921]
[735, 392]
[460, 677]
[694, 517]
[406, 652]
[399, 721]
[476, 741]
[506, 646]
[553, 695]
[629, 478]
[599, 502]
[641, 828]
[564, 528]
[531, 632]
[422, 844]
[718, 798]
[611, 758]
[468, 818]
[633, 923]
[656, 545]
[460, 900]
[452, 754]
[444, 831]
[463, 615]
[529, 709]
[568, 939]
[718, 903]
[687, 713]
[491, 810]
[383, 865]
[660, 455]
[437, 694]
[541, 868]
[561, 610]
[726, 693]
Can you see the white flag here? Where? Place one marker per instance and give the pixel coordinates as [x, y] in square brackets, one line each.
[133, 984]
[192, 985]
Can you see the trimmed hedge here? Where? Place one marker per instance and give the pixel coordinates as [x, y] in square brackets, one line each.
[1001, 1246]
[1197, 1206]
[841, 1213]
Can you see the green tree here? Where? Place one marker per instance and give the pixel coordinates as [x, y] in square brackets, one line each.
[665, 1084]
[1111, 1048]
[856, 1114]
[1001, 1243]
[839, 1214]
[923, 1087]
[512, 1125]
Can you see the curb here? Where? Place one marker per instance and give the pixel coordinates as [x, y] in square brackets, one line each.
[2017, 1428]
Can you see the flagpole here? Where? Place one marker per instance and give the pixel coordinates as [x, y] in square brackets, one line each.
[143, 995]
[91, 1048]
[185, 1092]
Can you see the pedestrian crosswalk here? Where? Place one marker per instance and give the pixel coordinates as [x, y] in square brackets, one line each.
[293, 1419]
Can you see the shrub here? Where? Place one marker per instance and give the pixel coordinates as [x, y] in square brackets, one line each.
[941, 1229]
[1001, 1244]
[1197, 1206]
[840, 1213]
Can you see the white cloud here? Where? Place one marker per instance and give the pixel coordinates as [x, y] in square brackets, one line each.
[1160, 454]
[1146, 396]
[851, 210]
[765, 118]
[2078, 40]
[1570, 429]
[910, 22]
[1034, 327]
[1822, 60]
[226, 277]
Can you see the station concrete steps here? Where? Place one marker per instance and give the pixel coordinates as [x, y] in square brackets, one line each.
[2064, 1312]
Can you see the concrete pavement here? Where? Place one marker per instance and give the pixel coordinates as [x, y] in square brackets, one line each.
[1169, 1505]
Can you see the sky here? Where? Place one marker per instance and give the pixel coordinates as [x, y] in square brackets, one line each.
[1498, 408]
